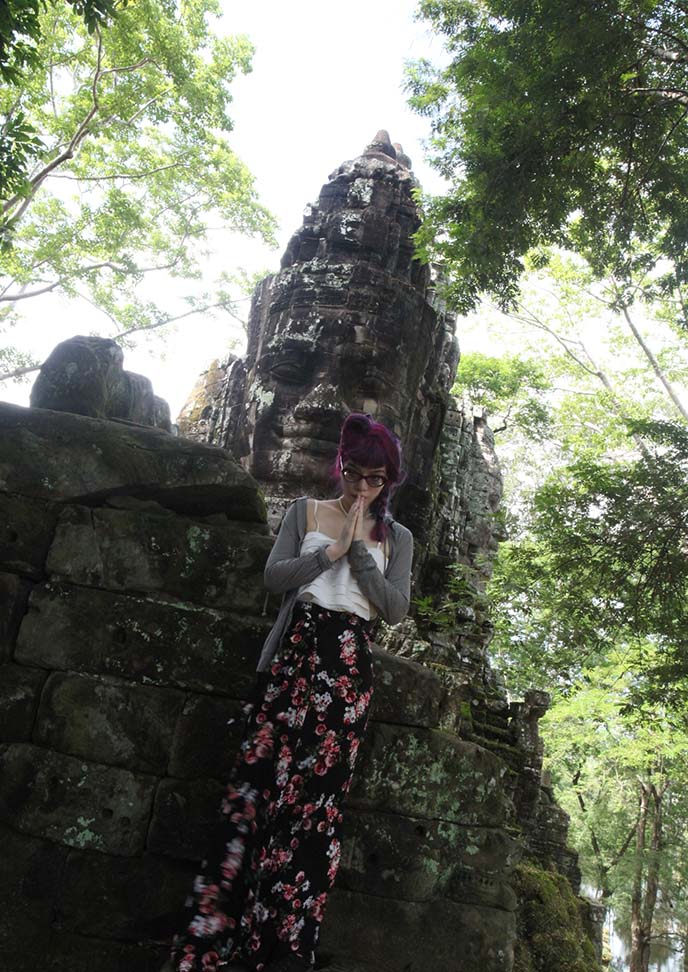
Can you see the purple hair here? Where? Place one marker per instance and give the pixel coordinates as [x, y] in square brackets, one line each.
[371, 444]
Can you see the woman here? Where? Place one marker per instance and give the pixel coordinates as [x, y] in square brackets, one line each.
[339, 564]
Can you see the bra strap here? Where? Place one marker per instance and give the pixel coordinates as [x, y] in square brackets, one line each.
[315, 516]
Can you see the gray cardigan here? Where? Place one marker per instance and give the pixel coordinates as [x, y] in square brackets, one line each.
[286, 571]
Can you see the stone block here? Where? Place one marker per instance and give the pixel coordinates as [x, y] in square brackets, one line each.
[154, 642]
[26, 529]
[14, 594]
[207, 738]
[31, 871]
[73, 802]
[84, 374]
[414, 859]
[184, 815]
[76, 375]
[109, 721]
[79, 954]
[405, 692]
[436, 935]
[139, 899]
[431, 774]
[59, 456]
[220, 565]
[20, 690]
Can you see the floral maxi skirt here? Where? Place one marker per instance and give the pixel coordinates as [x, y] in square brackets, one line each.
[277, 846]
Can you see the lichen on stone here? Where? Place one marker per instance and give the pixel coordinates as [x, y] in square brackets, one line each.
[551, 932]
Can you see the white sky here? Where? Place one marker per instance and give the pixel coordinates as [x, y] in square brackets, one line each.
[326, 76]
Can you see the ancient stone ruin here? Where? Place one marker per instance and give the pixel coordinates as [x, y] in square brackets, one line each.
[85, 375]
[130, 568]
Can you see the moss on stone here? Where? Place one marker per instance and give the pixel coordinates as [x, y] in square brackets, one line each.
[551, 932]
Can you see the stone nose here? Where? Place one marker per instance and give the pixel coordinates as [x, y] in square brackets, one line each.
[323, 401]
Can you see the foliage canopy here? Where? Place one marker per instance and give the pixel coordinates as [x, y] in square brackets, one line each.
[131, 167]
[589, 595]
[605, 564]
[559, 122]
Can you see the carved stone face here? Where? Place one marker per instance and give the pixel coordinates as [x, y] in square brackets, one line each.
[312, 369]
[347, 325]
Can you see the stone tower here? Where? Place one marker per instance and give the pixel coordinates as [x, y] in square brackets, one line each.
[349, 323]
[130, 573]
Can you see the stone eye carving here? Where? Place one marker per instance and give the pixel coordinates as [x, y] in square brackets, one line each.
[289, 373]
[291, 369]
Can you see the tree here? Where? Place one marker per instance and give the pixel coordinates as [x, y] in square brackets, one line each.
[556, 122]
[588, 595]
[20, 30]
[620, 774]
[605, 563]
[134, 169]
[510, 386]
[20, 33]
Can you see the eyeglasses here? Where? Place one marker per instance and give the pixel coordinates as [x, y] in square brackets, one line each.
[351, 476]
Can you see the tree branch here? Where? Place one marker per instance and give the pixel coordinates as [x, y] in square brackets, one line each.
[23, 295]
[664, 94]
[624, 847]
[177, 317]
[82, 271]
[654, 364]
[81, 132]
[659, 30]
[129, 67]
[667, 55]
[18, 372]
[128, 121]
[594, 370]
[122, 175]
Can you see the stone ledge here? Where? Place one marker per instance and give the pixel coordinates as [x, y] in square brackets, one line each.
[26, 531]
[81, 954]
[110, 721]
[14, 595]
[109, 457]
[183, 816]
[405, 692]
[219, 723]
[31, 873]
[73, 802]
[396, 934]
[218, 565]
[432, 774]
[415, 859]
[149, 641]
[20, 689]
[136, 899]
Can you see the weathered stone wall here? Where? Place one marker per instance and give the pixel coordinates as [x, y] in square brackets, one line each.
[131, 569]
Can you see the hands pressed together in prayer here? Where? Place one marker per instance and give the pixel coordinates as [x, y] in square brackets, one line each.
[353, 529]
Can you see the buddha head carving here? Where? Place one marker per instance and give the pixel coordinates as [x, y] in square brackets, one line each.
[347, 325]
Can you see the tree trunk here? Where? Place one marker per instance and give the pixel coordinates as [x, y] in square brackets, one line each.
[646, 875]
[654, 364]
[652, 879]
[528, 317]
[637, 931]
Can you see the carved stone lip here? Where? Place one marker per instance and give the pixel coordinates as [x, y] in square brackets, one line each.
[305, 433]
[310, 443]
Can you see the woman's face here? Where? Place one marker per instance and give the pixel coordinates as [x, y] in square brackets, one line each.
[352, 487]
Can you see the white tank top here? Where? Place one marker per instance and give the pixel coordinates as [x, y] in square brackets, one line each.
[337, 588]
